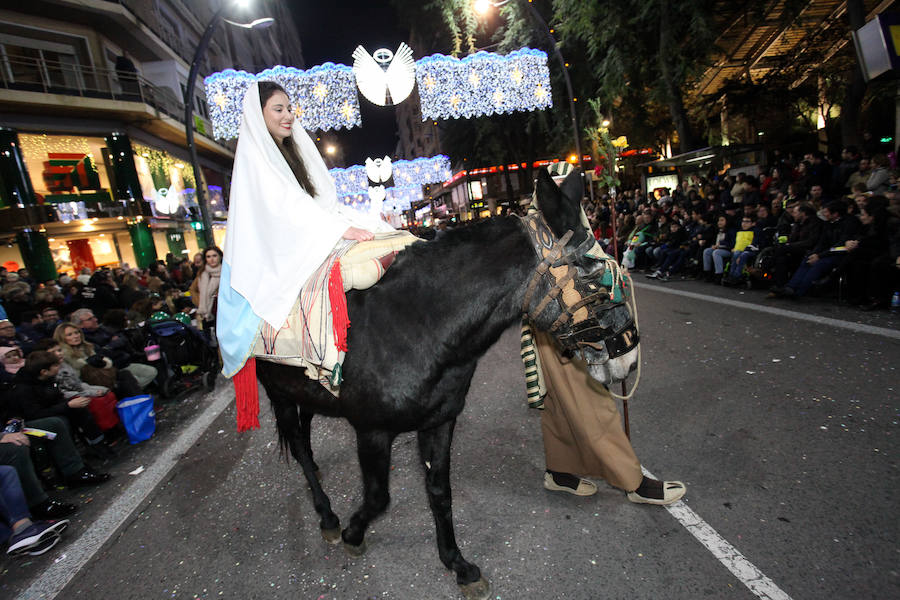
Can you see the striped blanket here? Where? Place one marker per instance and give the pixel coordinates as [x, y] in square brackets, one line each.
[308, 337]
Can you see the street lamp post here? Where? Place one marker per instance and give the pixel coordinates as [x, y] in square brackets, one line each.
[482, 6]
[189, 106]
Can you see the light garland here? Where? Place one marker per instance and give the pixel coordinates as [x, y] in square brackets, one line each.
[323, 97]
[483, 84]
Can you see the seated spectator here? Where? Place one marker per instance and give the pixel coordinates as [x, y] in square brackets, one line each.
[829, 252]
[879, 179]
[80, 354]
[103, 400]
[746, 247]
[113, 345]
[130, 291]
[714, 256]
[26, 537]
[10, 336]
[867, 252]
[803, 235]
[30, 330]
[671, 257]
[15, 452]
[642, 234]
[35, 395]
[13, 359]
[16, 299]
[49, 320]
[817, 196]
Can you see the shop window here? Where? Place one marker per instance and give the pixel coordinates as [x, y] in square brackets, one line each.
[67, 172]
[167, 182]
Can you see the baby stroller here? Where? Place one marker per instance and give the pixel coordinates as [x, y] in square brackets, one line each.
[185, 359]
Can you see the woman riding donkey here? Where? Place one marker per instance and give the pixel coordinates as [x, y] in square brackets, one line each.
[285, 228]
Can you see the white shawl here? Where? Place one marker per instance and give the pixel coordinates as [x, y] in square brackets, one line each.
[278, 235]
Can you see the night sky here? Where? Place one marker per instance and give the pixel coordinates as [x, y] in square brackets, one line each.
[329, 32]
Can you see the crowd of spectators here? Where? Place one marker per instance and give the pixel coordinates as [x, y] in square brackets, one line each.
[70, 349]
[801, 226]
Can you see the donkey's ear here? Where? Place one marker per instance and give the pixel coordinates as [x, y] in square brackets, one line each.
[573, 187]
[551, 203]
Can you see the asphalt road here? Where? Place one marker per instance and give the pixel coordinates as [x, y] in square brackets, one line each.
[784, 430]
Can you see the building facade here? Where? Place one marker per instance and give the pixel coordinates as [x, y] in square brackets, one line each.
[95, 169]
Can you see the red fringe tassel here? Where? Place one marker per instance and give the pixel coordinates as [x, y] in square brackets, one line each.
[340, 320]
[247, 392]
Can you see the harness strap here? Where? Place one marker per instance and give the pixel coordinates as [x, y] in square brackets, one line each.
[542, 268]
[571, 310]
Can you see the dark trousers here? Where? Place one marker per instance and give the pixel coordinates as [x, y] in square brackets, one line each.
[808, 273]
[62, 451]
[672, 260]
[784, 263]
[13, 507]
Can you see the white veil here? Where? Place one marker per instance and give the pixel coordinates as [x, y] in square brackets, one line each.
[277, 233]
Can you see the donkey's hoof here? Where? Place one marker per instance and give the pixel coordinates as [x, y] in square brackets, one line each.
[332, 536]
[477, 590]
[355, 551]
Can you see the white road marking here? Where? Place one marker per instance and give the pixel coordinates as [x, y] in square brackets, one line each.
[857, 327]
[52, 581]
[745, 571]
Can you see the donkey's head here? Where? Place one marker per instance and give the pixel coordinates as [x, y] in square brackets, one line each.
[575, 294]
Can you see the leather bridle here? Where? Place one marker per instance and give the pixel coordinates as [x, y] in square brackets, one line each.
[575, 333]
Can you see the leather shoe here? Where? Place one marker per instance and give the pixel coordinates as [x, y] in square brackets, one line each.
[51, 509]
[86, 477]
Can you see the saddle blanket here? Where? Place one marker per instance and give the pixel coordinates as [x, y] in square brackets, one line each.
[308, 337]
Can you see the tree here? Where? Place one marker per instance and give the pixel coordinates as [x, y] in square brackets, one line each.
[646, 54]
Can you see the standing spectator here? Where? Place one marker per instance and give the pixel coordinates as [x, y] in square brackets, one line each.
[100, 293]
[208, 289]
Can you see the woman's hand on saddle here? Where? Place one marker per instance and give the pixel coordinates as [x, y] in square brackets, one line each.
[360, 235]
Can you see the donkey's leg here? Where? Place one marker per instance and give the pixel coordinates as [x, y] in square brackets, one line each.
[306, 434]
[289, 419]
[434, 449]
[374, 451]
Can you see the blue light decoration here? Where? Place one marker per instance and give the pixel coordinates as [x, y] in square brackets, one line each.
[483, 84]
[324, 97]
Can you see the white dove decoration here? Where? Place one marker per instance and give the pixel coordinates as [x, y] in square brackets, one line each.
[377, 193]
[379, 169]
[385, 78]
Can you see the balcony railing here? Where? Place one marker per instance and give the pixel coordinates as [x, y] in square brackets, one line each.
[52, 77]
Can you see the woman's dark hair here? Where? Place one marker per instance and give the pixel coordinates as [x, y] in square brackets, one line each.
[288, 147]
[215, 249]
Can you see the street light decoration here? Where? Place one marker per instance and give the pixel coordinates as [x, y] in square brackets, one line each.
[385, 78]
[483, 84]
